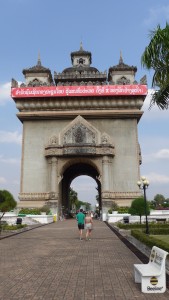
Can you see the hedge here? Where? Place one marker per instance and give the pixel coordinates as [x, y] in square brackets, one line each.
[138, 225]
[149, 240]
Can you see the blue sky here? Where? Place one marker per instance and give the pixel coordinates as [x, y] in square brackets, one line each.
[55, 28]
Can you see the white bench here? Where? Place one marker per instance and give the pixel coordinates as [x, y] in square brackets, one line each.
[152, 276]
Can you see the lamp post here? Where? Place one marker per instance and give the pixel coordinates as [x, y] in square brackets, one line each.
[143, 184]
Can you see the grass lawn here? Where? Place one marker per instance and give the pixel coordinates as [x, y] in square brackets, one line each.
[164, 238]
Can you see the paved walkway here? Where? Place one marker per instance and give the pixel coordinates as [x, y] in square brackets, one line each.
[50, 262]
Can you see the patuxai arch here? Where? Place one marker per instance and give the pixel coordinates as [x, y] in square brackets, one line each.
[79, 122]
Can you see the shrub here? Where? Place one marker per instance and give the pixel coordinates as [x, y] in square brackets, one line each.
[138, 225]
[30, 211]
[13, 227]
[123, 209]
[45, 209]
[150, 241]
[114, 207]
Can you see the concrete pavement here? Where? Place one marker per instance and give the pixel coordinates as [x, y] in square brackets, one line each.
[50, 262]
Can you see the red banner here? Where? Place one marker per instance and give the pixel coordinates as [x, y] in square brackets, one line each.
[72, 91]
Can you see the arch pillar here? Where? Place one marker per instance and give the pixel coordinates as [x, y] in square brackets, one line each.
[105, 172]
[106, 184]
[53, 184]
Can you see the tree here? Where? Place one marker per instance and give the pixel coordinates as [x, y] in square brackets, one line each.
[73, 198]
[138, 207]
[7, 202]
[114, 207]
[74, 201]
[87, 205]
[156, 57]
[159, 200]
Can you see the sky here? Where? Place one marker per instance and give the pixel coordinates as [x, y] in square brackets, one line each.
[54, 29]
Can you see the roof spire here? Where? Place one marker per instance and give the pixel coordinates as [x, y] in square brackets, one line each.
[81, 46]
[39, 60]
[121, 58]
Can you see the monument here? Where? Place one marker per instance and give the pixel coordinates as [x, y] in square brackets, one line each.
[79, 122]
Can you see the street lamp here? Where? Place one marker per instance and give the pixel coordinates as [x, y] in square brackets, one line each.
[143, 184]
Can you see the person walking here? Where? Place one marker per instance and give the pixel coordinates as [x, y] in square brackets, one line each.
[88, 225]
[80, 217]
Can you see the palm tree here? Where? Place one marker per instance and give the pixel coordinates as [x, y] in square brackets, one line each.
[156, 57]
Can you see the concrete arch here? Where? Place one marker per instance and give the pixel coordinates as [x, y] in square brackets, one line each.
[79, 160]
[72, 170]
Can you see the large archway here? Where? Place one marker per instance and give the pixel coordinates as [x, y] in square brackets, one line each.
[73, 171]
[83, 125]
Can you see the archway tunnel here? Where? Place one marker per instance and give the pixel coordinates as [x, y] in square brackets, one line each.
[74, 171]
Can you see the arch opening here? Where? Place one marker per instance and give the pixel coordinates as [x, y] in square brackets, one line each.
[74, 172]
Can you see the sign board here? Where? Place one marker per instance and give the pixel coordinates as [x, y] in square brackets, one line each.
[79, 91]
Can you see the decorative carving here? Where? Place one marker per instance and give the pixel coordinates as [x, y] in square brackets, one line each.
[123, 80]
[143, 80]
[105, 139]
[53, 195]
[54, 140]
[14, 83]
[80, 138]
[79, 150]
[80, 132]
[34, 196]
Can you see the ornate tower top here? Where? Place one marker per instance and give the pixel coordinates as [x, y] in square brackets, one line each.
[38, 75]
[81, 57]
[81, 72]
[122, 73]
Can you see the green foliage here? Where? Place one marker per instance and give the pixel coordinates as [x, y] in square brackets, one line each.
[143, 226]
[13, 227]
[156, 57]
[45, 209]
[123, 209]
[30, 211]
[159, 200]
[74, 201]
[114, 207]
[138, 207]
[160, 230]
[7, 202]
[87, 205]
[149, 240]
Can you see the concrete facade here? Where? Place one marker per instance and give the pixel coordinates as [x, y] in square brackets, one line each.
[64, 137]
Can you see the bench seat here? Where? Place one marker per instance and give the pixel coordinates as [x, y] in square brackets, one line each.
[152, 276]
[148, 270]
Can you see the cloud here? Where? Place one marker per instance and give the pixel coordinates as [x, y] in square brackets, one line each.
[157, 178]
[157, 13]
[5, 90]
[154, 113]
[2, 180]
[10, 161]
[163, 153]
[10, 137]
